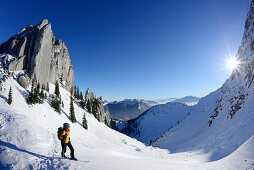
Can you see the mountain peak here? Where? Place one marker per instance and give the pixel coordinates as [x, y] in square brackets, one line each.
[42, 57]
[43, 23]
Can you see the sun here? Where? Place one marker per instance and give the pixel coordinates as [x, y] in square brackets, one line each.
[232, 63]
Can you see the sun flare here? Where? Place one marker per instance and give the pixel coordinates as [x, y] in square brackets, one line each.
[232, 63]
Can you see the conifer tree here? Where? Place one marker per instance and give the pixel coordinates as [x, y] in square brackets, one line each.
[71, 92]
[42, 95]
[56, 104]
[56, 100]
[61, 79]
[43, 87]
[77, 93]
[57, 91]
[38, 88]
[95, 108]
[88, 107]
[81, 96]
[37, 96]
[82, 104]
[106, 122]
[10, 96]
[31, 98]
[84, 122]
[72, 113]
[45, 95]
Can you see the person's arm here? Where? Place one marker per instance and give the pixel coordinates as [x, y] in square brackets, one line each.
[63, 135]
[68, 135]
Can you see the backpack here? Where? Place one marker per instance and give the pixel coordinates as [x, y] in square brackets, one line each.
[59, 132]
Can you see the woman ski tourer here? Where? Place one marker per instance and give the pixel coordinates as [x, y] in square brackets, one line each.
[64, 136]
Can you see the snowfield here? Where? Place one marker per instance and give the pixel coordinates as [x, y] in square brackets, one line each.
[28, 140]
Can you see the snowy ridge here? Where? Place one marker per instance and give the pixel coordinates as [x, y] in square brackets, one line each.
[155, 121]
[132, 108]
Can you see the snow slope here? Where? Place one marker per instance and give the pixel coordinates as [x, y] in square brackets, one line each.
[28, 141]
[28, 137]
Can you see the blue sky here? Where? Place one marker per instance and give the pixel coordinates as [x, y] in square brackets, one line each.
[139, 48]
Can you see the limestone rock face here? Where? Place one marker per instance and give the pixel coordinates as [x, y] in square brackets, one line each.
[41, 58]
[44, 58]
[24, 80]
[104, 115]
[89, 96]
[17, 64]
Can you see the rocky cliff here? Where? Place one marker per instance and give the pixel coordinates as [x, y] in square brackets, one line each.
[239, 87]
[43, 57]
[103, 114]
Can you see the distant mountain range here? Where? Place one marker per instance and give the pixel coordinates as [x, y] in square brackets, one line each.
[131, 108]
[128, 108]
[188, 100]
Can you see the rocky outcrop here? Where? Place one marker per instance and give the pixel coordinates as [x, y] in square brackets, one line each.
[89, 96]
[24, 80]
[103, 115]
[44, 58]
[17, 64]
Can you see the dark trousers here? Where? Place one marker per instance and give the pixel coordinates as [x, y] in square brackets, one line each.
[64, 148]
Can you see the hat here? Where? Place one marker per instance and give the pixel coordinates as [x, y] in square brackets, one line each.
[65, 125]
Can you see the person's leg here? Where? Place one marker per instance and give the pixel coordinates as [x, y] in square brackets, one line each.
[71, 148]
[63, 148]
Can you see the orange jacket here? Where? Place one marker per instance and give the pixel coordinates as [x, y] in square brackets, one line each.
[65, 135]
